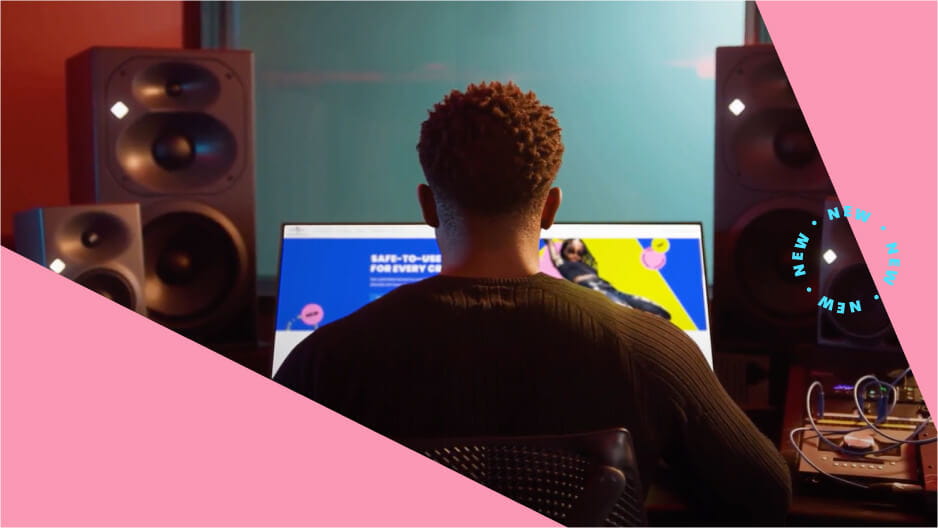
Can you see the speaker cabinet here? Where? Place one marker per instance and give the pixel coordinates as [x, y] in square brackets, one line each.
[173, 130]
[846, 279]
[770, 184]
[97, 246]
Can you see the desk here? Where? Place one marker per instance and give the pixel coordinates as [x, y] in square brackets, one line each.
[810, 507]
[255, 356]
[830, 511]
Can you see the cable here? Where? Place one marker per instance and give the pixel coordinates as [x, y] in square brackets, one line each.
[838, 448]
[901, 376]
[882, 413]
[859, 405]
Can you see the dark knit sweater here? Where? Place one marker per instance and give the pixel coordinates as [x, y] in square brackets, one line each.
[462, 357]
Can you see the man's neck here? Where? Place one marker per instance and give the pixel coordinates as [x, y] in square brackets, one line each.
[489, 253]
[490, 264]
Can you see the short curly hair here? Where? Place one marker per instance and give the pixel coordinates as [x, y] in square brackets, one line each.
[492, 149]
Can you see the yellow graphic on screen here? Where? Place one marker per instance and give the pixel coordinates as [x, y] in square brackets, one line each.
[661, 245]
[619, 262]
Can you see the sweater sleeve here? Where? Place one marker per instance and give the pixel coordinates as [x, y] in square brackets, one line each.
[730, 469]
[294, 372]
[301, 369]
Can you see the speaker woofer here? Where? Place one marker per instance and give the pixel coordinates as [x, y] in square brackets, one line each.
[194, 270]
[774, 148]
[175, 85]
[172, 152]
[851, 284]
[764, 267]
[93, 237]
[109, 284]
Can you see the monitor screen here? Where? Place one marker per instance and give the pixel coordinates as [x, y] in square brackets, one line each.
[328, 271]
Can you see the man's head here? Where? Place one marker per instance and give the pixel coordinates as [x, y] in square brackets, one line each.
[489, 152]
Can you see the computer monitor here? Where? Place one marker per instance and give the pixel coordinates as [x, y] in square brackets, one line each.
[328, 271]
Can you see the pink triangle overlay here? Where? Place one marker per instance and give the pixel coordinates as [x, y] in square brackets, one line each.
[109, 419]
[865, 77]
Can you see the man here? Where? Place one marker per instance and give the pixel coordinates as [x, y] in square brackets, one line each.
[492, 347]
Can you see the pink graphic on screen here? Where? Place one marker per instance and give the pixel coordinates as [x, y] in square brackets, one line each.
[311, 314]
[653, 258]
[546, 265]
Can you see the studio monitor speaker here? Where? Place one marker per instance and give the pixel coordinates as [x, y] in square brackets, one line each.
[770, 184]
[845, 280]
[174, 131]
[97, 246]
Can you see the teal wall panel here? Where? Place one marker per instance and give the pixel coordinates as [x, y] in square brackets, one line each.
[343, 87]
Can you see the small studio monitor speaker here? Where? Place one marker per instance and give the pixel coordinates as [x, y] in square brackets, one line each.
[770, 183]
[97, 246]
[174, 130]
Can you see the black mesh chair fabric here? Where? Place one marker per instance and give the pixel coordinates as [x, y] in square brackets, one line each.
[588, 479]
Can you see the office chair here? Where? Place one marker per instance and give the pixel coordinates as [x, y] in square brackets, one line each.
[586, 479]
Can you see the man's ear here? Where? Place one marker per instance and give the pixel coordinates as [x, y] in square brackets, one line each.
[554, 197]
[428, 205]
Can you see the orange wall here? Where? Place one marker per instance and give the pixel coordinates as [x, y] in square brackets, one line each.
[37, 37]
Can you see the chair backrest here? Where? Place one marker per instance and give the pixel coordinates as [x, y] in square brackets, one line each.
[585, 479]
